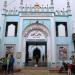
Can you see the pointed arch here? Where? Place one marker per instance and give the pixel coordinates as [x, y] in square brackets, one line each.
[11, 30]
[61, 30]
[36, 26]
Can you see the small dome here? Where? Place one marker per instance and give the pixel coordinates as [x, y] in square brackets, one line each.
[36, 5]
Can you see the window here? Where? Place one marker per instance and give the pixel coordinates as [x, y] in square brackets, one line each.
[61, 29]
[11, 29]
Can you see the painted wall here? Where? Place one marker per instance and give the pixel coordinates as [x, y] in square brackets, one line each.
[47, 23]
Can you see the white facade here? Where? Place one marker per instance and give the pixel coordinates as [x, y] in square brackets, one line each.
[38, 31]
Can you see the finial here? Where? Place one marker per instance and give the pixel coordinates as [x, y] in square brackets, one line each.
[26, 5]
[5, 4]
[68, 8]
[51, 2]
[30, 5]
[52, 6]
[47, 5]
[4, 7]
[63, 9]
[68, 4]
[21, 2]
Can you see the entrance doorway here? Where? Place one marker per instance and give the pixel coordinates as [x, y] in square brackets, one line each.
[35, 56]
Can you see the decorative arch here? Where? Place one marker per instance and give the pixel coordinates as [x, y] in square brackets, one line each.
[36, 26]
[11, 27]
[11, 30]
[43, 41]
[61, 30]
[61, 27]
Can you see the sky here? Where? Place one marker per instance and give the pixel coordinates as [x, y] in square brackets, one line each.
[58, 4]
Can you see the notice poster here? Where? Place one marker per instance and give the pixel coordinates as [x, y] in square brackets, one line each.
[62, 53]
[9, 49]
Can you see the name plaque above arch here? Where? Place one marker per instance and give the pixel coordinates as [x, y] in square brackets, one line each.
[36, 34]
[36, 31]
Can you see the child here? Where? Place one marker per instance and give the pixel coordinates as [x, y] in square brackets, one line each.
[69, 66]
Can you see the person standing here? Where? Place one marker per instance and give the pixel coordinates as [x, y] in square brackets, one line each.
[43, 57]
[37, 59]
[11, 64]
[69, 67]
[4, 66]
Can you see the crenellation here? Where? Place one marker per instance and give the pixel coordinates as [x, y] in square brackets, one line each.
[12, 12]
[39, 10]
[61, 13]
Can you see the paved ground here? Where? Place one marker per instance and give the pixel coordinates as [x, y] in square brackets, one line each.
[36, 72]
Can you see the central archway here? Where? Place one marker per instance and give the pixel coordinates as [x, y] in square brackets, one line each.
[36, 34]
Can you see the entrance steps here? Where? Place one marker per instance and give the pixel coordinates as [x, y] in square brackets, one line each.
[36, 68]
[51, 70]
[40, 64]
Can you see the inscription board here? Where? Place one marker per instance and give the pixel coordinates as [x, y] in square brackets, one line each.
[36, 14]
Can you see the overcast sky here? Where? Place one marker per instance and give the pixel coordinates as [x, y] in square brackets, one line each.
[59, 4]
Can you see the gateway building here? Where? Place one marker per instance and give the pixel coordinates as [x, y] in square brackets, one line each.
[37, 34]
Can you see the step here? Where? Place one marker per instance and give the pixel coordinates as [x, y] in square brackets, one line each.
[36, 68]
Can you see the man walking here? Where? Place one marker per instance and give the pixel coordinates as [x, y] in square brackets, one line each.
[11, 64]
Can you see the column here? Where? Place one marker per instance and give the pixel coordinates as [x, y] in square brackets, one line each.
[49, 52]
[23, 51]
[19, 43]
[53, 44]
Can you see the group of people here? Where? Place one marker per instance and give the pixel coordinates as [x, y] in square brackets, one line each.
[7, 64]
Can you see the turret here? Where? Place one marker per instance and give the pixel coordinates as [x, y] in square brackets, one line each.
[4, 7]
[52, 6]
[68, 8]
[21, 5]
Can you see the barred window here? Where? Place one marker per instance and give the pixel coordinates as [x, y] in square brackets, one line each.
[11, 29]
[61, 29]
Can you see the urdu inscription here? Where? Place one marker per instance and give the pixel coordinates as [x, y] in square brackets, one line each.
[37, 14]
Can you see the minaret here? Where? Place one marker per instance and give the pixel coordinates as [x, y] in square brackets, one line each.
[51, 2]
[52, 6]
[4, 7]
[21, 5]
[68, 8]
[21, 2]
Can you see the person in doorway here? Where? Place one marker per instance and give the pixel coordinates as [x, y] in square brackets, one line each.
[37, 59]
[11, 64]
[43, 57]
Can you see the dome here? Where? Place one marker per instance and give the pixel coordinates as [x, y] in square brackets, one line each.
[36, 5]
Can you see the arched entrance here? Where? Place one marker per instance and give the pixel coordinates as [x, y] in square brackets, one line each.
[34, 35]
[36, 55]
